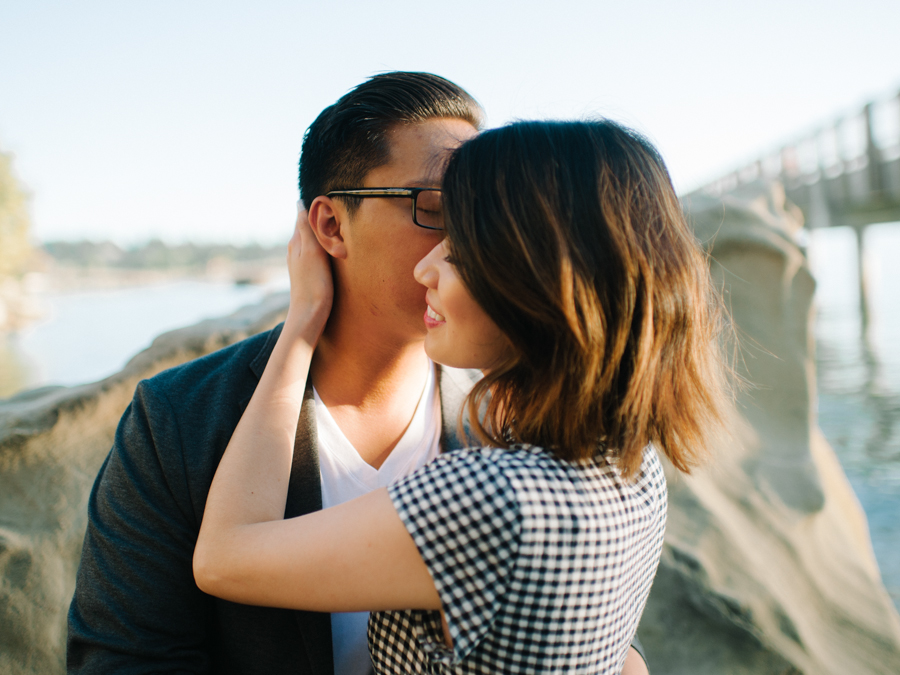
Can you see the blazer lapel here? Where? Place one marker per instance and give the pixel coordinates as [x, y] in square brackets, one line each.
[305, 487]
[304, 496]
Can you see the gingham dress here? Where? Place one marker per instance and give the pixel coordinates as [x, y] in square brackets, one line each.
[542, 566]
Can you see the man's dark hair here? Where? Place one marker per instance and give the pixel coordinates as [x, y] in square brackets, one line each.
[349, 139]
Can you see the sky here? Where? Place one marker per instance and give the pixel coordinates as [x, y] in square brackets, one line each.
[183, 119]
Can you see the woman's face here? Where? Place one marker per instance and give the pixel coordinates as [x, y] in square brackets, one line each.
[460, 333]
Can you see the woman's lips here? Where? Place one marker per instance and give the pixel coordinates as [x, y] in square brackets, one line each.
[432, 318]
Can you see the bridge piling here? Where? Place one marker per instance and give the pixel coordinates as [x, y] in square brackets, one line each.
[864, 307]
[873, 155]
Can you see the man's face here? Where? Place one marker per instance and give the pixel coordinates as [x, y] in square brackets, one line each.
[383, 243]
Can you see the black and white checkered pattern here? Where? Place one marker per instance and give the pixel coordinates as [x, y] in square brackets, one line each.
[541, 565]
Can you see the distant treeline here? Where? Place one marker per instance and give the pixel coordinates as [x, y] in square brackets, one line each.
[15, 247]
[154, 254]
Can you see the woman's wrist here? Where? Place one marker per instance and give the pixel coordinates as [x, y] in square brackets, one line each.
[305, 324]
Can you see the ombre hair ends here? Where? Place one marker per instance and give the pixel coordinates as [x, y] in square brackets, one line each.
[571, 237]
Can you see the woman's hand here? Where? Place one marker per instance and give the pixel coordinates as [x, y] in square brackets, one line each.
[312, 289]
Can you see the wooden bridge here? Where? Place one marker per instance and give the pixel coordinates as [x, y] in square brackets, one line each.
[846, 173]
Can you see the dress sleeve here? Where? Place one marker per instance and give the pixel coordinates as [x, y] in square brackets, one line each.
[462, 513]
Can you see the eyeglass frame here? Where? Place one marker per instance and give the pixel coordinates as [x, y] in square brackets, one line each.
[390, 192]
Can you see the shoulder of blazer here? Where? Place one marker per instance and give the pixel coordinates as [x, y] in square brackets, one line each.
[226, 376]
[204, 400]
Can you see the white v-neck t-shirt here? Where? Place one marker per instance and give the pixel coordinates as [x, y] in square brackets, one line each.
[345, 476]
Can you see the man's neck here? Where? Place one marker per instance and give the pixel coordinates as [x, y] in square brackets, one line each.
[371, 382]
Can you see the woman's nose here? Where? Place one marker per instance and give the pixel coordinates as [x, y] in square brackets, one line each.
[425, 272]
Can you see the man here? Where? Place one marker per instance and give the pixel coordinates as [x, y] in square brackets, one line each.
[376, 408]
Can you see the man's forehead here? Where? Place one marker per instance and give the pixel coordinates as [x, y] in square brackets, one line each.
[437, 165]
[421, 151]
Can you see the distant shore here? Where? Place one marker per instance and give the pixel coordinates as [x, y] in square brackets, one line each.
[67, 267]
[63, 278]
[87, 264]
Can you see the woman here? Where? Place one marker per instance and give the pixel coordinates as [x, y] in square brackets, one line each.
[569, 276]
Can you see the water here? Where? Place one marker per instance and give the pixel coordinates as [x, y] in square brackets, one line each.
[86, 336]
[89, 335]
[859, 376]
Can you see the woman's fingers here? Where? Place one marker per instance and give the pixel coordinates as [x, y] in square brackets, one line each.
[308, 261]
[309, 267]
[296, 244]
[304, 230]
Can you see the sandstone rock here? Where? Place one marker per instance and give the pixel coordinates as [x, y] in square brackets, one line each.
[768, 565]
[52, 443]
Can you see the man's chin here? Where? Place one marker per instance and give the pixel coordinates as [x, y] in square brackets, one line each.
[415, 331]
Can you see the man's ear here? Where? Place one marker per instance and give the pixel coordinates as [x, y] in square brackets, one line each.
[327, 218]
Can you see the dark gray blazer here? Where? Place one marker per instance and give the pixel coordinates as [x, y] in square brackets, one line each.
[136, 608]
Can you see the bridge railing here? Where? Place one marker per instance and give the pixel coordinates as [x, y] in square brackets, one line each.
[844, 173]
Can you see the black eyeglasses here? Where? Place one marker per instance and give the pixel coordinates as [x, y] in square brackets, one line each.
[427, 204]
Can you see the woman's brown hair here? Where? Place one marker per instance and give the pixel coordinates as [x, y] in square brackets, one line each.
[570, 236]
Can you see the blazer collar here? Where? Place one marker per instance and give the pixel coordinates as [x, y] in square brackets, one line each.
[305, 487]
[304, 496]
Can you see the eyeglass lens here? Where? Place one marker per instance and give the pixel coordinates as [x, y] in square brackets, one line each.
[429, 210]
